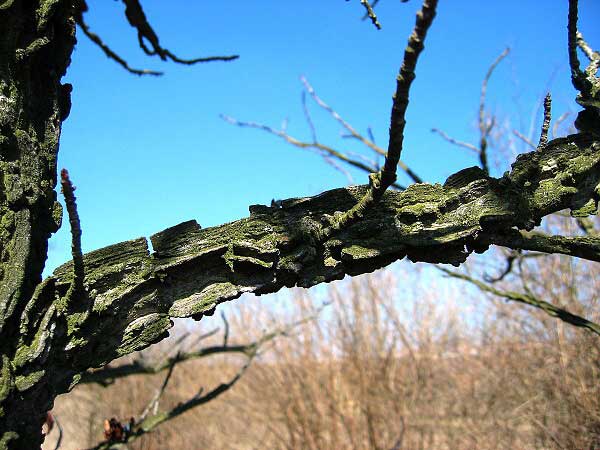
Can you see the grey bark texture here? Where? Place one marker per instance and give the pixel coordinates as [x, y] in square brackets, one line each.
[50, 333]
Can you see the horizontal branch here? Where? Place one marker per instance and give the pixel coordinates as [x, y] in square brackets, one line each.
[135, 294]
[531, 300]
[107, 375]
[586, 247]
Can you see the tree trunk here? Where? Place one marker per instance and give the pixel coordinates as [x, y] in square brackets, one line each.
[36, 41]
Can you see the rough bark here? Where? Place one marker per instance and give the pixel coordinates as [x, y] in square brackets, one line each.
[36, 40]
[50, 333]
[131, 295]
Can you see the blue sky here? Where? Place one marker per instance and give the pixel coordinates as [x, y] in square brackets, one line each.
[147, 153]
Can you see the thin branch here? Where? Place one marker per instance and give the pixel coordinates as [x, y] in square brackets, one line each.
[557, 123]
[108, 374]
[380, 181]
[528, 299]
[137, 19]
[510, 259]
[586, 83]
[148, 423]
[486, 128]
[400, 100]
[584, 46]
[324, 149]
[68, 190]
[226, 329]
[369, 142]
[547, 118]
[370, 13]
[153, 404]
[586, 247]
[454, 141]
[577, 76]
[524, 138]
[109, 52]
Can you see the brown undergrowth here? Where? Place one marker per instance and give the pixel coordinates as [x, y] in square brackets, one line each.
[400, 359]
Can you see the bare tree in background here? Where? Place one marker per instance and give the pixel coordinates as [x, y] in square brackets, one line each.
[120, 299]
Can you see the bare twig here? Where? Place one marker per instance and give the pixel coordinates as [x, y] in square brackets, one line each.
[226, 329]
[145, 33]
[369, 142]
[149, 422]
[323, 149]
[153, 404]
[528, 299]
[485, 127]
[137, 19]
[109, 52]
[454, 141]
[524, 138]
[370, 13]
[380, 181]
[510, 259]
[68, 191]
[547, 117]
[577, 76]
[586, 247]
[557, 123]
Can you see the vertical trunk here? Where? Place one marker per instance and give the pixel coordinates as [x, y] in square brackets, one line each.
[36, 41]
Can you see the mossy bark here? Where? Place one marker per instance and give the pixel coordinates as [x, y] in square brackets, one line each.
[36, 41]
[51, 334]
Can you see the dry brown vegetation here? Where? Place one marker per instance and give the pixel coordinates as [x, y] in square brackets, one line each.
[400, 359]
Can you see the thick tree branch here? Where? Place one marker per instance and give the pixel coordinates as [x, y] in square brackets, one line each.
[135, 294]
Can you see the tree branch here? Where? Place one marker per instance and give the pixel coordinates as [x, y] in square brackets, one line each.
[586, 247]
[148, 422]
[135, 294]
[529, 299]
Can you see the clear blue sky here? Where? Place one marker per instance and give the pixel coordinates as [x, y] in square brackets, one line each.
[147, 153]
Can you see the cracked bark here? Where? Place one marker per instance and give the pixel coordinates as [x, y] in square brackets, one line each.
[49, 336]
[36, 42]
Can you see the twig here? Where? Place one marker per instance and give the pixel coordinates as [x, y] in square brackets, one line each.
[557, 123]
[137, 19]
[380, 181]
[153, 404]
[584, 46]
[577, 76]
[353, 133]
[226, 329]
[547, 118]
[308, 118]
[454, 141]
[109, 52]
[528, 299]
[68, 191]
[324, 149]
[486, 128]
[510, 259]
[370, 13]
[148, 423]
[524, 138]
